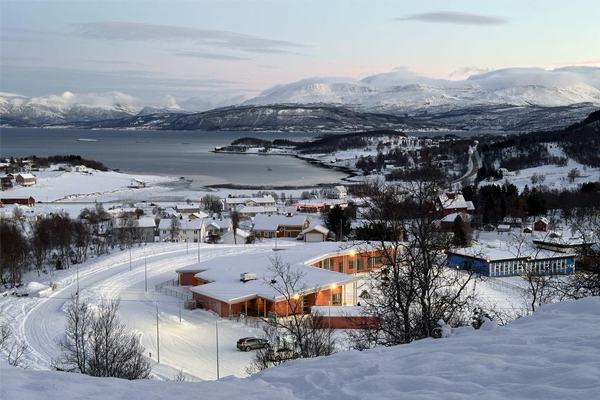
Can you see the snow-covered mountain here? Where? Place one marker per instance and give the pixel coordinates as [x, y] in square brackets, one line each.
[35, 111]
[415, 98]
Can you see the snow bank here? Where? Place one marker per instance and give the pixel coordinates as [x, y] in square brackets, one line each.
[554, 354]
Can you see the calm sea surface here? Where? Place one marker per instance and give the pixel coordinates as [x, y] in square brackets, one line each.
[171, 153]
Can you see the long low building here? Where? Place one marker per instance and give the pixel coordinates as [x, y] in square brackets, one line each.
[505, 259]
[328, 278]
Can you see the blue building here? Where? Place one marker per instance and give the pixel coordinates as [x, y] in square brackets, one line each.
[507, 260]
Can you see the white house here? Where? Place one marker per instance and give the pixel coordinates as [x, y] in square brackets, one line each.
[189, 230]
[218, 226]
[336, 192]
[239, 238]
[80, 168]
[230, 203]
[252, 211]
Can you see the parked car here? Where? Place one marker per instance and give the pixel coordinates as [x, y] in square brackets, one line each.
[252, 343]
[282, 354]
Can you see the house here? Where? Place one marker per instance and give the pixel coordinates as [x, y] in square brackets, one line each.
[143, 228]
[316, 205]
[450, 202]
[233, 285]
[504, 259]
[318, 233]
[137, 184]
[6, 182]
[270, 226]
[230, 203]
[24, 201]
[527, 229]
[187, 208]
[25, 179]
[513, 222]
[218, 226]
[351, 317]
[541, 225]
[239, 238]
[252, 211]
[503, 228]
[447, 223]
[336, 192]
[187, 230]
[81, 168]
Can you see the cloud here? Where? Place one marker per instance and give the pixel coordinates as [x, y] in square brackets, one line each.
[465, 72]
[209, 102]
[400, 76]
[560, 77]
[133, 31]
[170, 102]
[454, 17]
[208, 56]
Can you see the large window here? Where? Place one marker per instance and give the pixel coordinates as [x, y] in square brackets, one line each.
[351, 264]
[359, 264]
[336, 298]
[341, 266]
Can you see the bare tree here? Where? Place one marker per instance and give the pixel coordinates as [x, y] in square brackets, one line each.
[174, 229]
[14, 252]
[413, 289]
[14, 349]
[309, 337]
[97, 343]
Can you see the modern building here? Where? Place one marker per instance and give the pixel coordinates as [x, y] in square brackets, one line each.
[187, 230]
[233, 285]
[505, 259]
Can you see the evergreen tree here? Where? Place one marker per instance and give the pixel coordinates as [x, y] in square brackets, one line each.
[338, 221]
[459, 238]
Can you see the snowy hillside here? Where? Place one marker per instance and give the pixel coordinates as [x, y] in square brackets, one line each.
[554, 354]
[40, 110]
[418, 97]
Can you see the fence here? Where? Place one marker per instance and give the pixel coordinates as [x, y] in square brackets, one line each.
[164, 289]
[506, 287]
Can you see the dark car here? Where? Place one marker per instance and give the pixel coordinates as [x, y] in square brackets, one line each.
[252, 343]
[282, 355]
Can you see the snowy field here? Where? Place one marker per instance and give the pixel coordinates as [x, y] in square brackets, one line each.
[553, 354]
[61, 185]
[556, 177]
[188, 345]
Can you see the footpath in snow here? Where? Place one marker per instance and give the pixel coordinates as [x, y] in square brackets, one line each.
[553, 354]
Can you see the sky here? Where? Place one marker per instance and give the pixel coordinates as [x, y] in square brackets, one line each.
[219, 52]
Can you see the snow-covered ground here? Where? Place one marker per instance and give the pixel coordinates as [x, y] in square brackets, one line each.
[55, 185]
[188, 345]
[553, 354]
[555, 176]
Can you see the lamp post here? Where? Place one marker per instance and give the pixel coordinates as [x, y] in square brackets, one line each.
[145, 275]
[217, 336]
[157, 336]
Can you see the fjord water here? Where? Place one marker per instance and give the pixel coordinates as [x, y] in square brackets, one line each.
[171, 153]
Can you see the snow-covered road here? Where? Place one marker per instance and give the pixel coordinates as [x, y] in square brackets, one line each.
[189, 345]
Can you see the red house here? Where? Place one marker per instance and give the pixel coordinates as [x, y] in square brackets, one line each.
[24, 201]
[541, 225]
[450, 202]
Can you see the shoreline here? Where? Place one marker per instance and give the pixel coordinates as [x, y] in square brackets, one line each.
[318, 163]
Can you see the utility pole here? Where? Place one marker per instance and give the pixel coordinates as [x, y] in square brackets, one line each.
[77, 265]
[179, 301]
[130, 259]
[157, 336]
[145, 275]
[217, 333]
